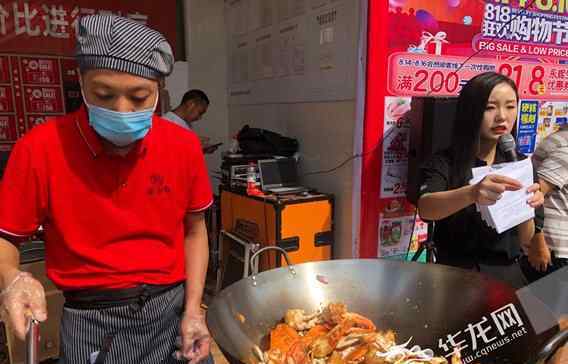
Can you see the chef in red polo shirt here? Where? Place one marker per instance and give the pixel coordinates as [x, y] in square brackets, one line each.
[120, 193]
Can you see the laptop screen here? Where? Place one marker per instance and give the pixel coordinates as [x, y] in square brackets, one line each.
[278, 172]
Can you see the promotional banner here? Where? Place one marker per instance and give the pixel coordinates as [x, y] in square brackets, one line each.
[538, 119]
[400, 234]
[48, 27]
[38, 75]
[432, 49]
[435, 47]
[33, 88]
[396, 136]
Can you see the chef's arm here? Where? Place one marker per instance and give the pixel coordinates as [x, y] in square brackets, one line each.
[22, 295]
[196, 260]
[9, 262]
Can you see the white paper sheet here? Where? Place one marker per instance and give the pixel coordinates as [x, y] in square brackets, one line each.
[512, 209]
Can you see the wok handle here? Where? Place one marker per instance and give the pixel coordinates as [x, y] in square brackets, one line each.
[32, 342]
[552, 346]
[254, 258]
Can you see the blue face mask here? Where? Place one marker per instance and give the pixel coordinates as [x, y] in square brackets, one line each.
[120, 128]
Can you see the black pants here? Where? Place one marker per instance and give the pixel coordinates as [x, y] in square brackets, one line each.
[533, 275]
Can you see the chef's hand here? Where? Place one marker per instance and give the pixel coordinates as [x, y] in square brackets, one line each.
[22, 299]
[195, 338]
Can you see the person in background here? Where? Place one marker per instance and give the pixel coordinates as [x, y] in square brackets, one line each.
[193, 106]
[121, 195]
[548, 251]
[486, 110]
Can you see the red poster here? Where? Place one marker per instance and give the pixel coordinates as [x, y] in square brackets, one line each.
[417, 75]
[4, 70]
[38, 76]
[6, 100]
[48, 26]
[73, 97]
[43, 100]
[69, 69]
[34, 120]
[428, 42]
[42, 71]
[35, 88]
[7, 128]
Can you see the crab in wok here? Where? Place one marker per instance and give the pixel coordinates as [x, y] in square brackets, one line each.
[333, 335]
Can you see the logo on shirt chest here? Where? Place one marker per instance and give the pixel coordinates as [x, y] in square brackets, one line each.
[158, 185]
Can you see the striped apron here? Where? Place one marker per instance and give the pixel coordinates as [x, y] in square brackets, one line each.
[142, 333]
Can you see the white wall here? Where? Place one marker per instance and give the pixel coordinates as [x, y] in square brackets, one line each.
[325, 130]
[205, 69]
[177, 84]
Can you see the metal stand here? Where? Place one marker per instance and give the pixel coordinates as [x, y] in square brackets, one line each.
[213, 218]
[427, 245]
[248, 248]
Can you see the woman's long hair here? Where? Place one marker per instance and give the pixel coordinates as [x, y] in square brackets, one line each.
[470, 108]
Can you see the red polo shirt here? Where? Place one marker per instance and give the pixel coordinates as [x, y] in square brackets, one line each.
[109, 221]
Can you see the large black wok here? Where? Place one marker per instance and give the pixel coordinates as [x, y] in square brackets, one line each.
[424, 301]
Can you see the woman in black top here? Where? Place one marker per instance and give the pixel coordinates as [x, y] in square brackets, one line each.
[486, 109]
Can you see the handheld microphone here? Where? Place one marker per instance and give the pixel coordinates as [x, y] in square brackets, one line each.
[509, 147]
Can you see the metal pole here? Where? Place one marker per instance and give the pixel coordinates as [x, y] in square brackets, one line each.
[32, 342]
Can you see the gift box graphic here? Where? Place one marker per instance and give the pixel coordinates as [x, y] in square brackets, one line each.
[430, 43]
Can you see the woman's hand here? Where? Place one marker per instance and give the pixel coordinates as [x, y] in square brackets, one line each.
[491, 188]
[537, 199]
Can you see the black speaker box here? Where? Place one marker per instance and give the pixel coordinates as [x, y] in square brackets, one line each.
[431, 128]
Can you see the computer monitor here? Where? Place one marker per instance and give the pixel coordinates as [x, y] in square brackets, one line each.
[281, 172]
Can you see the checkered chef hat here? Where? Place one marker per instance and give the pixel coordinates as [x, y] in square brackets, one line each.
[120, 44]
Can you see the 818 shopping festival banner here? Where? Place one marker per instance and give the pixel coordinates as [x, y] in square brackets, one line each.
[434, 47]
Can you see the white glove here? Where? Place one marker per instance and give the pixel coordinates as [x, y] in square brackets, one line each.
[23, 298]
[195, 338]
